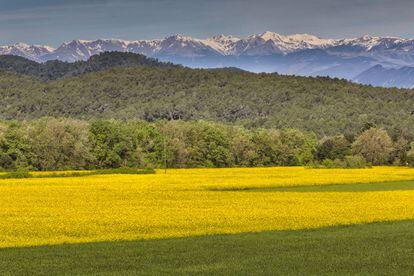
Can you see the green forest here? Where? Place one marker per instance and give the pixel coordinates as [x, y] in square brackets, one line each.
[64, 144]
[126, 110]
[153, 91]
[56, 69]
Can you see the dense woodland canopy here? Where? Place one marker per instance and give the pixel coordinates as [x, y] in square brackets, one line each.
[260, 119]
[146, 89]
[56, 69]
[58, 144]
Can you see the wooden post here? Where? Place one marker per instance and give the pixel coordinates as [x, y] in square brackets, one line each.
[165, 155]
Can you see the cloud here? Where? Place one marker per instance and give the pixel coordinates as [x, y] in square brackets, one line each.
[52, 21]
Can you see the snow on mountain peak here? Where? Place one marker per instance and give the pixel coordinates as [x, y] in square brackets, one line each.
[21, 45]
[33, 52]
[266, 36]
[311, 40]
[369, 42]
[180, 37]
[225, 38]
[267, 43]
[75, 42]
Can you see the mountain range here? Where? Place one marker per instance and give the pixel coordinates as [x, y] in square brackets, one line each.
[356, 59]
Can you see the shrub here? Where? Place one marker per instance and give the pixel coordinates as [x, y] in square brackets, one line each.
[355, 161]
[330, 164]
[125, 170]
[336, 147]
[374, 145]
[16, 174]
[349, 162]
[410, 156]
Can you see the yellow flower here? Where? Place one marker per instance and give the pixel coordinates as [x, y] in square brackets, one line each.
[191, 202]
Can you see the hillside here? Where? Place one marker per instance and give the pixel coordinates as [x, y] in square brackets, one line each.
[387, 77]
[325, 106]
[299, 54]
[55, 69]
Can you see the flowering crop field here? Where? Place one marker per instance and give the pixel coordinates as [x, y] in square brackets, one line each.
[197, 202]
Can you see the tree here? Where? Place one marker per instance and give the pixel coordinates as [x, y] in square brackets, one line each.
[335, 147]
[321, 105]
[112, 144]
[148, 142]
[15, 147]
[401, 148]
[58, 144]
[174, 133]
[269, 149]
[410, 155]
[374, 145]
[301, 144]
[208, 146]
[243, 147]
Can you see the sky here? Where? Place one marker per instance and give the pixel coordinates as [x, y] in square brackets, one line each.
[52, 22]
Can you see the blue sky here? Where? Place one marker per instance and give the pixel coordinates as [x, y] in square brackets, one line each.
[54, 21]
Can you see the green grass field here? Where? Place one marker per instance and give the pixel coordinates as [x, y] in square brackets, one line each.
[362, 187]
[379, 249]
[210, 222]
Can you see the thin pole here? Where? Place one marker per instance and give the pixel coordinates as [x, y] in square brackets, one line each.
[165, 156]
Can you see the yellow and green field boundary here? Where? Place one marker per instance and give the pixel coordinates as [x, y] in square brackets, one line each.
[204, 216]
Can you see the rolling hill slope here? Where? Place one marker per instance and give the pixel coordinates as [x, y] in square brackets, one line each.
[55, 69]
[325, 106]
[387, 77]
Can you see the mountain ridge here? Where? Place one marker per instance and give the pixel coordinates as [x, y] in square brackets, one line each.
[266, 52]
[380, 76]
[269, 42]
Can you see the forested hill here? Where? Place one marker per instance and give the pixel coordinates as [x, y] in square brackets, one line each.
[322, 105]
[55, 69]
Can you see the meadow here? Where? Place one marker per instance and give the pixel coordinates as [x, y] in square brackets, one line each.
[202, 220]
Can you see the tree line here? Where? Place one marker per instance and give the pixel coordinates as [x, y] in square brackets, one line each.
[62, 144]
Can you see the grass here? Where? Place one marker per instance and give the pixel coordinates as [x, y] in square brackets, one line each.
[209, 221]
[27, 174]
[114, 207]
[362, 187]
[371, 249]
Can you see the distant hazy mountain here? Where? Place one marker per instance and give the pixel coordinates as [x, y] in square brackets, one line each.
[380, 76]
[267, 52]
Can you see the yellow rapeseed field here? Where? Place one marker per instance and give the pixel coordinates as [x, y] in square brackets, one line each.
[42, 211]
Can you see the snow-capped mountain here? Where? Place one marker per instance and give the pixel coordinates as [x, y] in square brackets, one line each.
[300, 54]
[270, 43]
[267, 43]
[33, 52]
[82, 49]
